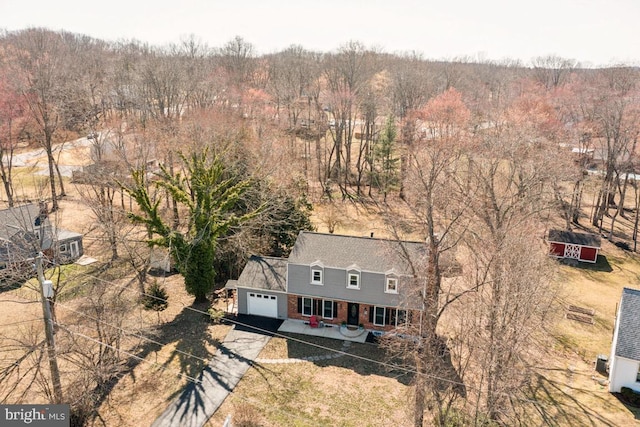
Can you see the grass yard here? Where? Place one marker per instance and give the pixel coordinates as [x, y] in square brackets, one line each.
[567, 385]
[346, 391]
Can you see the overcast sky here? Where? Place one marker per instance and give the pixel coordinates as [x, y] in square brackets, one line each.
[594, 32]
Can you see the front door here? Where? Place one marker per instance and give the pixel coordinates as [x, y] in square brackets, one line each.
[74, 249]
[353, 311]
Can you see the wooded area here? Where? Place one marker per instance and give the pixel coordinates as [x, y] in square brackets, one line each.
[219, 153]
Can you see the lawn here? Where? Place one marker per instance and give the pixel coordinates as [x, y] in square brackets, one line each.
[345, 391]
[567, 387]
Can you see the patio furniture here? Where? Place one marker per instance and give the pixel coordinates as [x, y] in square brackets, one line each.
[313, 322]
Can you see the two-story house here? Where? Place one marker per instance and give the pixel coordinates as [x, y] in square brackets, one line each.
[339, 279]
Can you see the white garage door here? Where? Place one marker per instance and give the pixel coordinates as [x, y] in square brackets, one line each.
[262, 305]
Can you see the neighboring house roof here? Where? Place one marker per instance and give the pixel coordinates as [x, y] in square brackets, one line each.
[367, 253]
[20, 218]
[29, 230]
[268, 273]
[231, 284]
[63, 235]
[628, 344]
[583, 239]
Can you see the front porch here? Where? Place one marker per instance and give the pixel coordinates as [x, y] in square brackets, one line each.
[336, 332]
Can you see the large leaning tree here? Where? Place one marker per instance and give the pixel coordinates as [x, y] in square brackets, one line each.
[208, 193]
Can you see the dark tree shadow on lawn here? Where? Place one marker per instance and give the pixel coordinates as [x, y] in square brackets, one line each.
[362, 358]
[189, 333]
[557, 404]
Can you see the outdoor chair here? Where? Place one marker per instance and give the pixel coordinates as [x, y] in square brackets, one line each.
[313, 322]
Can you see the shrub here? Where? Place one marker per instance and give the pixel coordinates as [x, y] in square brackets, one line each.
[216, 315]
[155, 298]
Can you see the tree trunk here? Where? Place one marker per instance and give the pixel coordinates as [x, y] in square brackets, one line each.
[420, 391]
[52, 175]
[635, 224]
[576, 202]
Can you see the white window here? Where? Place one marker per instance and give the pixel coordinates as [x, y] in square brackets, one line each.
[63, 247]
[307, 306]
[316, 276]
[391, 286]
[327, 309]
[353, 280]
[378, 316]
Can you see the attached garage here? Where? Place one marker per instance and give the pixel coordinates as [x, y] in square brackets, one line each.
[262, 288]
[262, 305]
[579, 246]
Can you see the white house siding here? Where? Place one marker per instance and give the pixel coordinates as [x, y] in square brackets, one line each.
[623, 373]
[625, 348]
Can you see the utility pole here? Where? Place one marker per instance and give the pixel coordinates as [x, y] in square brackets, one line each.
[48, 328]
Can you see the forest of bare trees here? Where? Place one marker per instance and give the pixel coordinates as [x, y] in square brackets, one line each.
[476, 158]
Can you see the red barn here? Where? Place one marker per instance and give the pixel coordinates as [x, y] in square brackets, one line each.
[567, 244]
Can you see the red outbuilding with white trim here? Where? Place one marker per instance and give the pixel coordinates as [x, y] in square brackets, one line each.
[580, 246]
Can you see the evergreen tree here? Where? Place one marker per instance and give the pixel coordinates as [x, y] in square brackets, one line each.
[209, 194]
[384, 174]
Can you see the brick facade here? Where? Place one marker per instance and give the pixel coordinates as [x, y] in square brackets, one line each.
[339, 316]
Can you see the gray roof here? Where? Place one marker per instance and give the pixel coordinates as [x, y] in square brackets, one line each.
[628, 344]
[583, 239]
[63, 235]
[266, 273]
[367, 253]
[18, 225]
[231, 284]
[18, 218]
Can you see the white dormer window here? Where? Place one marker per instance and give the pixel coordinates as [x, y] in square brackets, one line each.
[317, 273]
[316, 276]
[391, 286]
[353, 280]
[353, 277]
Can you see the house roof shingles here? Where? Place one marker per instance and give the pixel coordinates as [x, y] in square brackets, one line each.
[583, 239]
[261, 272]
[367, 253]
[628, 344]
[16, 219]
[18, 226]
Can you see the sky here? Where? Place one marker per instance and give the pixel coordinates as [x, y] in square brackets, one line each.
[593, 32]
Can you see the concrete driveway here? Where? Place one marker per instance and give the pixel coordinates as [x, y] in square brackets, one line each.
[236, 354]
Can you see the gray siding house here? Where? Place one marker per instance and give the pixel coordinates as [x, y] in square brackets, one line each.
[340, 279]
[262, 286]
[26, 230]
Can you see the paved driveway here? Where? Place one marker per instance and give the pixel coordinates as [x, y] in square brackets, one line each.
[236, 354]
